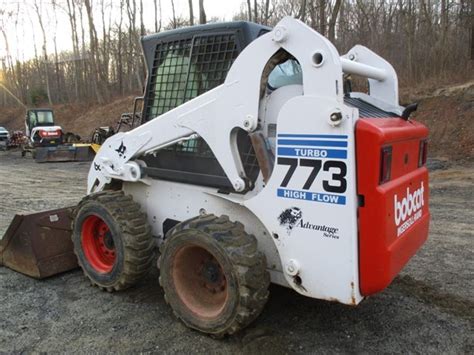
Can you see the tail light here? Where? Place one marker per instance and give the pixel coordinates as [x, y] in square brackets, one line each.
[423, 153]
[47, 134]
[385, 164]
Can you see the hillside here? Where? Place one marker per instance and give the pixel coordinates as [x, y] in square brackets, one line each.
[447, 111]
[80, 118]
[449, 114]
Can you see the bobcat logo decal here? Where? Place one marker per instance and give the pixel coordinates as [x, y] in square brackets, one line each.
[289, 218]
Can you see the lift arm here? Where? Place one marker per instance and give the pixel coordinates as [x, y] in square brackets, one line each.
[217, 114]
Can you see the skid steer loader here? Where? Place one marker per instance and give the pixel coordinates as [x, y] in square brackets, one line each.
[254, 163]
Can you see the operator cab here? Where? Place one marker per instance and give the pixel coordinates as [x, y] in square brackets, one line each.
[40, 127]
[183, 64]
[39, 118]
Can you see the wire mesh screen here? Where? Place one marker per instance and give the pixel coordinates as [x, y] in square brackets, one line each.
[184, 69]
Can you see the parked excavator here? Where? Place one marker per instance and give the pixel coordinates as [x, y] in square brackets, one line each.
[47, 142]
[254, 163]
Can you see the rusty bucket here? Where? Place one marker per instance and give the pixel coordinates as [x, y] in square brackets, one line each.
[39, 244]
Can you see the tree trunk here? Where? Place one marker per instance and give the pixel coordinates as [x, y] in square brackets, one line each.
[45, 53]
[85, 72]
[302, 15]
[175, 22]
[322, 19]
[142, 24]
[155, 5]
[255, 11]
[202, 13]
[332, 21]
[191, 13]
[119, 51]
[249, 10]
[267, 7]
[72, 21]
[94, 49]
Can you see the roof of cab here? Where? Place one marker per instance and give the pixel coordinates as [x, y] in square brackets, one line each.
[249, 31]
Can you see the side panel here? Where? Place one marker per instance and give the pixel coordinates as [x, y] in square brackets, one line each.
[167, 202]
[310, 202]
[394, 216]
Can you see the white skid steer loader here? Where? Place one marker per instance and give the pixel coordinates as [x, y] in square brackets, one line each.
[256, 162]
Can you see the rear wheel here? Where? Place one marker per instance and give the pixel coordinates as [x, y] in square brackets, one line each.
[213, 276]
[112, 240]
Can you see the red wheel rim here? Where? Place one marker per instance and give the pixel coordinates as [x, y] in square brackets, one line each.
[98, 244]
[199, 281]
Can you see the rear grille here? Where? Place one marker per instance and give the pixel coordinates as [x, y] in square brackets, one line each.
[367, 110]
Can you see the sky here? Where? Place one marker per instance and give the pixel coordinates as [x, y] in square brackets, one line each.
[28, 30]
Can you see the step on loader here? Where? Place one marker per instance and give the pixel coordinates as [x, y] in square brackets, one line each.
[255, 162]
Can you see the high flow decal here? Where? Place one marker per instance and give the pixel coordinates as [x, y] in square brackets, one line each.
[315, 153]
[409, 209]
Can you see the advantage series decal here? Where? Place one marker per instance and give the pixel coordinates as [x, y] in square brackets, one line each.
[314, 152]
[293, 218]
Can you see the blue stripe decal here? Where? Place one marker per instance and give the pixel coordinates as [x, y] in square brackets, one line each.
[312, 152]
[285, 135]
[313, 143]
[312, 196]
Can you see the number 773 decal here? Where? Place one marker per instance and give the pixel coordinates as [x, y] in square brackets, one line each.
[336, 184]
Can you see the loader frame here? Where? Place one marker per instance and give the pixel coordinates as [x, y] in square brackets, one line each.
[325, 266]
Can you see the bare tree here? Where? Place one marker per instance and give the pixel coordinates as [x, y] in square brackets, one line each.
[191, 13]
[71, 12]
[255, 11]
[332, 21]
[424, 40]
[174, 21]
[94, 51]
[302, 15]
[120, 51]
[322, 17]
[249, 10]
[266, 13]
[142, 24]
[202, 13]
[38, 9]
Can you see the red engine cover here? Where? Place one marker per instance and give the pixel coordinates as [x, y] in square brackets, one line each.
[393, 216]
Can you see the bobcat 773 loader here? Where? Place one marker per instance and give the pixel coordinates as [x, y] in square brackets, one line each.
[256, 163]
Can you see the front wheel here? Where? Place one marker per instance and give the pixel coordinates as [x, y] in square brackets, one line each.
[112, 240]
[212, 274]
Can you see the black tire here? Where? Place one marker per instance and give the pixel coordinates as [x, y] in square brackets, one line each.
[230, 287]
[129, 236]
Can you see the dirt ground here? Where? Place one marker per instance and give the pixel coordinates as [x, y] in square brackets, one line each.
[429, 308]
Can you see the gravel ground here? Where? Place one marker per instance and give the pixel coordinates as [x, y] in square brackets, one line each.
[429, 308]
